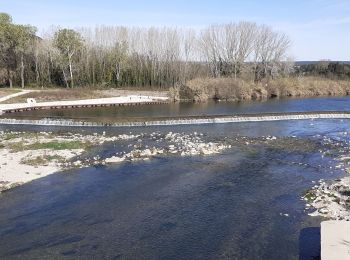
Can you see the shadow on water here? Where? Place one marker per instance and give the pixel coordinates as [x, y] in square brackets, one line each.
[227, 206]
[310, 243]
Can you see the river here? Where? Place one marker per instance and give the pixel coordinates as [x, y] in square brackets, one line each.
[192, 109]
[243, 203]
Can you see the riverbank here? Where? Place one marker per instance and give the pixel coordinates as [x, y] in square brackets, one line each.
[331, 199]
[26, 156]
[230, 89]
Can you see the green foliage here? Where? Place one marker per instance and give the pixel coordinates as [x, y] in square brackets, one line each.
[8, 43]
[15, 41]
[68, 41]
[309, 195]
[333, 70]
[115, 56]
[25, 35]
[5, 18]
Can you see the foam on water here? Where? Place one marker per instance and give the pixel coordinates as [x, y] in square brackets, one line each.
[182, 121]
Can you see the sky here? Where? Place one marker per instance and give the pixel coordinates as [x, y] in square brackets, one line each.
[319, 29]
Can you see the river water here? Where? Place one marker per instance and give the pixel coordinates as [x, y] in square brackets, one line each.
[243, 203]
[193, 109]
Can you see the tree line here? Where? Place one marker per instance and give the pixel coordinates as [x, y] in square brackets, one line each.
[114, 56]
[325, 68]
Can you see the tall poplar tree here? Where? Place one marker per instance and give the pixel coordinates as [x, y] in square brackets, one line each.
[69, 42]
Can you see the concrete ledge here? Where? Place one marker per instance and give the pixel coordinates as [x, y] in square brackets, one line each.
[166, 121]
[335, 240]
[125, 100]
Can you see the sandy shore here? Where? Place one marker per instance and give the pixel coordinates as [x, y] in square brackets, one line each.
[26, 156]
[14, 170]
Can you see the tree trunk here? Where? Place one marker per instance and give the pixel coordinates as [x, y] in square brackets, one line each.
[117, 73]
[65, 78]
[22, 71]
[49, 74]
[9, 75]
[37, 71]
[93, 71]
[71, 73]
[49, 68]
[235, 68]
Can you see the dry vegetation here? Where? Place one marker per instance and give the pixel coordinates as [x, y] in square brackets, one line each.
[202, 89]
[43, 160]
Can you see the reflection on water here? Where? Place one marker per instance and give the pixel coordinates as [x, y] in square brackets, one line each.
[242, 204]
[191, 109]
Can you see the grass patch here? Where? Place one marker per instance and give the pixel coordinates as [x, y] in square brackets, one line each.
[53, 145]
[9, 136]
[42, 160]
[58, 145]
[13, 135]
[37, 161]
[309, 195]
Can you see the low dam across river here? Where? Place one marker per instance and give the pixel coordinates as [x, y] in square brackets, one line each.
[188, 120]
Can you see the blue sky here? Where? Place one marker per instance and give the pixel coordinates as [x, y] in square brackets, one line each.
[319, 29]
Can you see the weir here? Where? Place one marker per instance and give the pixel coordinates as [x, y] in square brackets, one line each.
[190, 120]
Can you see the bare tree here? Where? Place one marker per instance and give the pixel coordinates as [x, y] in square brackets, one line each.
[163, 57]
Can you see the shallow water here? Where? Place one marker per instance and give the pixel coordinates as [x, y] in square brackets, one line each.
[241, 204]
